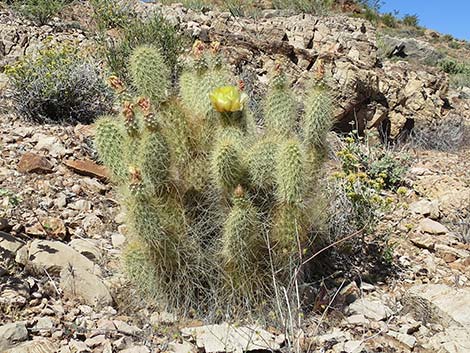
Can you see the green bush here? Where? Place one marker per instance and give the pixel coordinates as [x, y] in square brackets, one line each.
[307, 6]
[155, 30]
[109, 14]
[389, 20]
[221, 213]
[39, 11]
[411, 20]
[366, 172]
[58, 85]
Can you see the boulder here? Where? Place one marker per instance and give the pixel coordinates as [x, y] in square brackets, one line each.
[12, 334]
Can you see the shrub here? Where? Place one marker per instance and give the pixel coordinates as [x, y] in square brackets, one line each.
[39, 11]
[155, 30]
[111, 13]
[366, 172]
[389, 20]
[221, 214]
[307, 6]
[411, 20]
[58, 85]
[445, 134]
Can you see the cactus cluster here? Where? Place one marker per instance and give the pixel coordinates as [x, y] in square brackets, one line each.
[219, 209]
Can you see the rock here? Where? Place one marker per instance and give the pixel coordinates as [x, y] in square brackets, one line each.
[411, 48]
[118, 240]
[4, 225]
[407, 340]
[372, 309]
[10, 243]
[136, 349]
[52, 227]
[96, 341]
[423, 241]
[451, 254]
[78, 282]
[440, 303]
[228, 338]
[78, 347]
[43, 323]
[432, 227]
[54, 256]
[12, 334]
[33, 163]
[88, 248]
[184, 347]
[349, 347]
[50, 144]
[426, 208]
[125, 328]
[357, 320]
[14, 292]
[81, 205]
[88, 168]
[36, 346]
[164, 318]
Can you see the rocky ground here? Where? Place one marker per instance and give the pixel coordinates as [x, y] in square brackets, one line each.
[61, 233]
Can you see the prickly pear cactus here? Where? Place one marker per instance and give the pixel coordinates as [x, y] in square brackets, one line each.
[219, 209]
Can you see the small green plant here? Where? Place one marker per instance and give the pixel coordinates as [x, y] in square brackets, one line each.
[220, 213]
[455, 45]
[411, 20]
[58, 84]
[366, 172]
[389, 20]
[109, 14]
[155, 30]
[39, 11]
[306, 6]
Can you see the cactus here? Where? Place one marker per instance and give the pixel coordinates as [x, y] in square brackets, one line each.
[210, 196]
[109, 142]
[290, 172]
[242, 244]
[150, 74]
[280, 106]
[317, 120]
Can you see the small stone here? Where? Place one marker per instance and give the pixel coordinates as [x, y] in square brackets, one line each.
[88, 168]
[81, 205]
[426, 208]
[371, 309]
[136, 349]
[78, 346]
[184, 347]
[432, 227]
[12, 334]
[96, 341]
[10, 243]
[33, 163]
[349, 347]
[357, 320]
[43, 323]
[164, 318]
[407, 340]
[83, 284]
[126, 329]
[118, 240]
[88, 248]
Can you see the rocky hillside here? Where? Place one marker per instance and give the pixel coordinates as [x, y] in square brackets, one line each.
[62, 231]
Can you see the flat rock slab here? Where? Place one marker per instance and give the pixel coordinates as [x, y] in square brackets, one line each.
[228, 338]
[33, 163]
[371, 309]
[432, 227]
[10, 243]
[53, 256]
[447, 302]
[88, 168]
[36, 346]
[12, 334]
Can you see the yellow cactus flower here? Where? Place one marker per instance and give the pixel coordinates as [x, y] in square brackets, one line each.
[227, 99]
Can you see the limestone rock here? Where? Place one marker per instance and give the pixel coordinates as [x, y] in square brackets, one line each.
[228, 338]
[432, 227]
[53, 256]
[372, 309]
[78, 282]
[12, 334]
